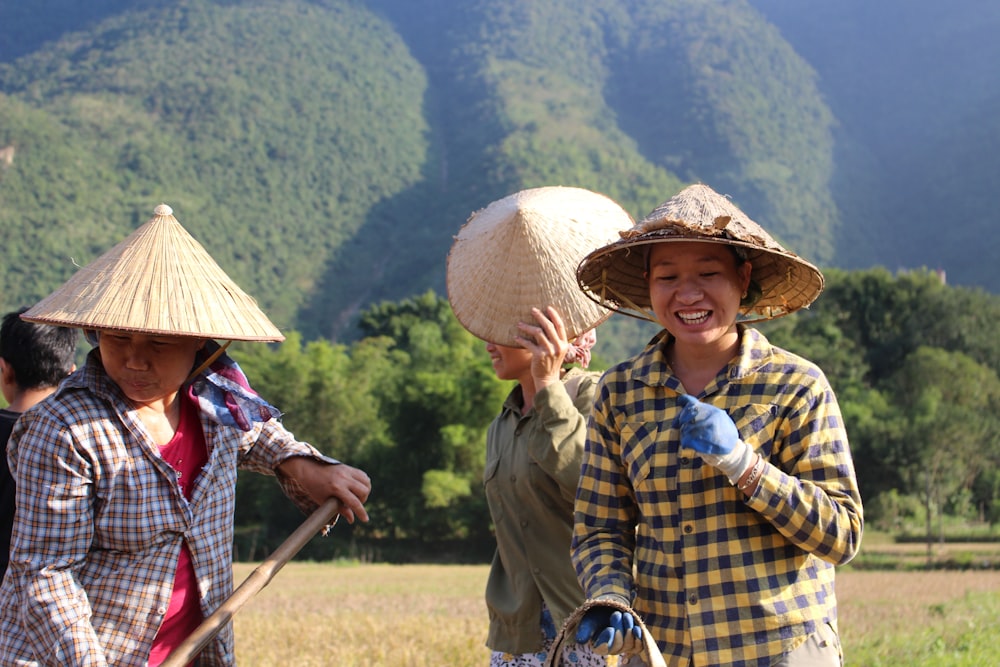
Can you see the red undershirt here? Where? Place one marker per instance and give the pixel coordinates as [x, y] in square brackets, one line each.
[187, 453]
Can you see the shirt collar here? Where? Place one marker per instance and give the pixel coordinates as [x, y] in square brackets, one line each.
[514, 400]
[651, 366]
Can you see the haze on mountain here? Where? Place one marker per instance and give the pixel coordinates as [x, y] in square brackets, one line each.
[915, 91]
[325, 152]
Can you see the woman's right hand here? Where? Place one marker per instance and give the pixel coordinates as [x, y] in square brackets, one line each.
[609, 630]
[547, 342]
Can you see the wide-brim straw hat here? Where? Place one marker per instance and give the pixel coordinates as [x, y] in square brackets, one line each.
[159, 280]
[522, 252]
[614, 275]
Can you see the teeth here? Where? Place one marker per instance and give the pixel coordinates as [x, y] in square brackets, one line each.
[693, 317]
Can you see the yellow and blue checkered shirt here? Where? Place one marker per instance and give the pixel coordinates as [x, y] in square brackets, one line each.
[718, 578]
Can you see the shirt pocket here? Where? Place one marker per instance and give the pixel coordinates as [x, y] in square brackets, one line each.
[492, 493]
[757, 424]
[649, 455]
[491, 470]
[547, 490]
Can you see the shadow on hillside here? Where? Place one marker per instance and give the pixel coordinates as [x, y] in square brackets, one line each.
[26, 26]
[390, 256]
[394, 254]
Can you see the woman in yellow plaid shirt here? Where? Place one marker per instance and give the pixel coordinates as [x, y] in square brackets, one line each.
[718, 491]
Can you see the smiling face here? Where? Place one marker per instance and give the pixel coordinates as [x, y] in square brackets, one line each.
[510, 363]
[695, 289]
[149, 369]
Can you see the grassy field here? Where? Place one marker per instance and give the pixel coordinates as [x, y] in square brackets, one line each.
[879, 550]
[421, 615]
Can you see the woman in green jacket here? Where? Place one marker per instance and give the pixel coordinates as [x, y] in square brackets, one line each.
[511, 282]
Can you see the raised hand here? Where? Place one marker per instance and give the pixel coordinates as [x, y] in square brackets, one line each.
[546, 339]
[711, 432]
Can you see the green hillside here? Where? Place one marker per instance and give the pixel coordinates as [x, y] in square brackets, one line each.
[326, 152]
[271, 128]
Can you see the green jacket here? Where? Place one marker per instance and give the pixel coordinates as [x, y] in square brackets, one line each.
[532, 469]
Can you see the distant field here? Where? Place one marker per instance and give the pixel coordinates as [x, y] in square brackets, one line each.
[920, 619]
[879, 550]
[350, 615]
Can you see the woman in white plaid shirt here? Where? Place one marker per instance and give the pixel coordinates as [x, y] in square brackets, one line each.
[125, 477]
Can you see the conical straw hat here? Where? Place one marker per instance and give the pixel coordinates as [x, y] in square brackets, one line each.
[614, 275]
[159, 280]
[522, 252]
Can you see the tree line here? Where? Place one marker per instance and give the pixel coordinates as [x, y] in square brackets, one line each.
[914, 363]
[304, 142]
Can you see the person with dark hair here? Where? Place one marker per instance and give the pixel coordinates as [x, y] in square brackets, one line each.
[34, 359]
[718, 492]
[125, 477]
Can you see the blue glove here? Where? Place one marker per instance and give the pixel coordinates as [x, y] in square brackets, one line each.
[705, 428]
[610, 631]
[711, 432]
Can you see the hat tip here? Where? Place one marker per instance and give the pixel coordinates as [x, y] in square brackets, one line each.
[163, 209]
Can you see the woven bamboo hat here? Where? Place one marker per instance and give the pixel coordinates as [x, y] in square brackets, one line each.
[522, 252]
[159, 280]
[614, 275]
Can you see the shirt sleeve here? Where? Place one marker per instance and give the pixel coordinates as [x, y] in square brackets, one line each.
[557, 445]
[603, 542]
[53, 530]
[275, 444]
[810, 492]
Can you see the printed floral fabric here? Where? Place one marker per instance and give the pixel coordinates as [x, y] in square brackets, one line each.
[223, 393]
[576, 655]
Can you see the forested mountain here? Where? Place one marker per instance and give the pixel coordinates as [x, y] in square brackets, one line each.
[915, 90]
[273, 130]
[325, 151]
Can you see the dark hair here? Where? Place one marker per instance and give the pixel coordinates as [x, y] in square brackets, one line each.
[753, 292]
[41, 355]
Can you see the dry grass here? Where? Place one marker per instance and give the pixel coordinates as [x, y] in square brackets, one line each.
[365, 615]
[415, 615]
[895, 603]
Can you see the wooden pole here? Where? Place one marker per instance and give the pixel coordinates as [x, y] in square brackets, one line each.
[189, 649]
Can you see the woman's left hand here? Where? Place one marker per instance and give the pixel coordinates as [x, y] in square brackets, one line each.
[322, 480]
[547, 342]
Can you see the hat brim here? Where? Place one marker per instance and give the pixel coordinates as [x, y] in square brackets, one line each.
[614, 276]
